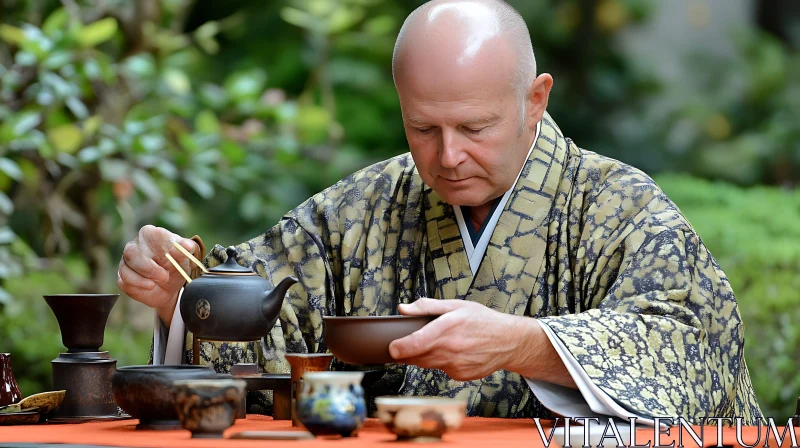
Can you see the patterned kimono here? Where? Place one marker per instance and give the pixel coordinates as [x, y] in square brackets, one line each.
[587, 244]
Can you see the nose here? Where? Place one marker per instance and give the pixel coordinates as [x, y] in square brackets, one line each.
[450, 154]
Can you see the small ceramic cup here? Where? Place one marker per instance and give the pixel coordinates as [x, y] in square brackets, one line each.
[421, 419]
[332, 403]
[207, 407]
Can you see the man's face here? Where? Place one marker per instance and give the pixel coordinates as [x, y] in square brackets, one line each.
[462, 125]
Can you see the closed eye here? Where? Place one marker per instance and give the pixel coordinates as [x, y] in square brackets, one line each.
[474, 131]
[424, 130]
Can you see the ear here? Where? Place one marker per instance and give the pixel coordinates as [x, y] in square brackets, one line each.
[538, 96]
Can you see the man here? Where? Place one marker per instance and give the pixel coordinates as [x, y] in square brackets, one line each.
[549, 265]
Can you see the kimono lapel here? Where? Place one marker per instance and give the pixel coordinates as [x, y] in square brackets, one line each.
[506, 277]
[508, 272]
[517, 248]
[450, 262]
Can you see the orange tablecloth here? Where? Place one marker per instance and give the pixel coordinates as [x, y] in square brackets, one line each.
[478, 432]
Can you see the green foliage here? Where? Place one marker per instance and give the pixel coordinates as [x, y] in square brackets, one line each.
[99, 140]
[737, 119]
[755, 236]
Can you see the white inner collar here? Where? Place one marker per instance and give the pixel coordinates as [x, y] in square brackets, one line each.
[475, 252]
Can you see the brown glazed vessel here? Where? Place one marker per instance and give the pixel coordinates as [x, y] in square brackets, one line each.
[145, 392]
[9, 390]
[364, 340]
[82, 319]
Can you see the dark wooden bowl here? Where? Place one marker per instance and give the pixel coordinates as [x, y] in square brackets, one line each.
[145, 392]
[364, 340]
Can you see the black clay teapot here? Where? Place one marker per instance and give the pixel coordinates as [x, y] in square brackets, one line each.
[232, 303]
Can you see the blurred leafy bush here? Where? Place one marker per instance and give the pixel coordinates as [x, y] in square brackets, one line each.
[97, 139]
[736, 119]
[754, 234]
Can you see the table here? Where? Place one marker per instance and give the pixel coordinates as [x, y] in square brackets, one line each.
[477, 432]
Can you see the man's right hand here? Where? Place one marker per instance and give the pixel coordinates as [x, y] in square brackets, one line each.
[147, 276]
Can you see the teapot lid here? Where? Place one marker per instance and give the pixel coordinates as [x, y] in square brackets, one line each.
[231, 267]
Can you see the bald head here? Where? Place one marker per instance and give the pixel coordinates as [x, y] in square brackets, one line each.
[472, 37]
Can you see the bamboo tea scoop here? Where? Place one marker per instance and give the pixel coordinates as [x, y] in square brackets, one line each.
[191, 257]
[178, 267]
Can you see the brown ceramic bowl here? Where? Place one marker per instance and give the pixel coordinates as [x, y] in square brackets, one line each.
[145, 392]
[421, 419]
[207, 407]
[364, 340]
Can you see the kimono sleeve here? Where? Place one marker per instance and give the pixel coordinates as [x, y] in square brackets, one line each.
[667, 339]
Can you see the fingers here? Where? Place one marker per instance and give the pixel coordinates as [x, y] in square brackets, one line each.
[142, 264]
[189, 245]
[431, 307]
[426, 338]
[417, 343]
[156, 241]
[147, 296]
[131, 278]
[160, 241]
[145, 255]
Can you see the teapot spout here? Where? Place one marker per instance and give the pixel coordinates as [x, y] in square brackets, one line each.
[273, 300]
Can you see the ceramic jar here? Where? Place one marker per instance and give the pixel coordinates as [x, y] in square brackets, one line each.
[9, 391]
[332, 403]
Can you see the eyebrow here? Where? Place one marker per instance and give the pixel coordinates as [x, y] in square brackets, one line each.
[417, 121]
[469, 120]
[480, 120]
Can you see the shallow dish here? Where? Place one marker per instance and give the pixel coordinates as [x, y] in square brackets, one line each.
[10, 409]
[45, 403]
[19, 418]
[91, 418]
[365, 340]
[421, 418]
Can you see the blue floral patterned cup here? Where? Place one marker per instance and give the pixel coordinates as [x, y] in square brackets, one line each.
[332, 403]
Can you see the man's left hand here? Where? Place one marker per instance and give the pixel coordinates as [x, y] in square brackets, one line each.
[467, 341]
